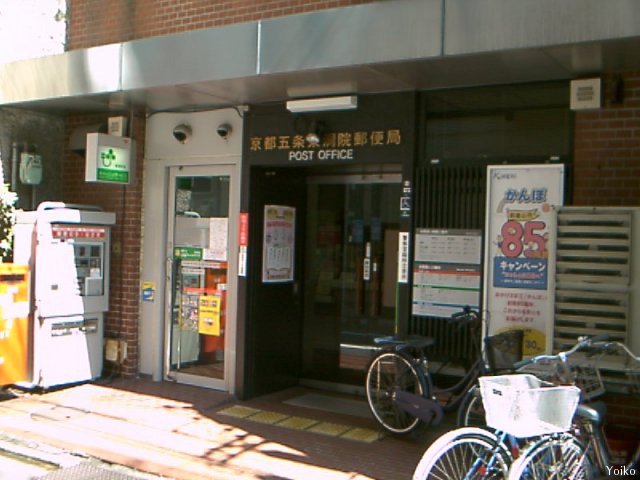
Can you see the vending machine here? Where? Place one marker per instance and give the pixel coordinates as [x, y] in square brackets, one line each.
[67, 248]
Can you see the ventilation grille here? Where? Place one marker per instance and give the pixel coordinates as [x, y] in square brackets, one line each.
[593, 268]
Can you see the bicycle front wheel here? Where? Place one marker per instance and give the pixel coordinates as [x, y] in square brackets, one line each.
[554, 458]
[471, 411]
[388, 373]
[465, 454]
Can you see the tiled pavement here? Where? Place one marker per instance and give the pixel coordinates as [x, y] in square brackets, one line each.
[185, 432]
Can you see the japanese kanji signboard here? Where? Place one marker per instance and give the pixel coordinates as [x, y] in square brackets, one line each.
[520, 255]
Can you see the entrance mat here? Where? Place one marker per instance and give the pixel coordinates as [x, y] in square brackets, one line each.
[330, 403]
[302, 423]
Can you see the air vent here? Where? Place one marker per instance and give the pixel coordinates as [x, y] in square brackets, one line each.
[596, 289]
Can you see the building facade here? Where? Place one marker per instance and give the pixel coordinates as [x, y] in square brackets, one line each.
[442, 89]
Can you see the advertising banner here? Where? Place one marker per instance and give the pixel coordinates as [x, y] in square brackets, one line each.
[278, 243]
[520, 251]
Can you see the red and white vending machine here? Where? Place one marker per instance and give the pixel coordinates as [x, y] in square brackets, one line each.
[67, 248]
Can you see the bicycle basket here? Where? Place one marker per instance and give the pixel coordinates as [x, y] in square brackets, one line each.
[588, 380]
[504, 349]
[524, 406]
[550, 371]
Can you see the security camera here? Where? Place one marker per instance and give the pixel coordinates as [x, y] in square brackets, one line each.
[224, 130]
[182, 133]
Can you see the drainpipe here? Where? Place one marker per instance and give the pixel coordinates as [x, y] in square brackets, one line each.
[14, 166]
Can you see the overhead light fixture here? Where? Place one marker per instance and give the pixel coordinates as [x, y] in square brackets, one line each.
[347, 102]
[314, 135]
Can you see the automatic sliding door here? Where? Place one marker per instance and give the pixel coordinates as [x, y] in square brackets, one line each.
[199, 281]
[351, 274]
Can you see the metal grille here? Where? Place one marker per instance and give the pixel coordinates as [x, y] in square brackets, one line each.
[451, 197]
[593, 269]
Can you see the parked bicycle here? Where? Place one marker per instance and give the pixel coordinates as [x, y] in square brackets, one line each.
[400, 386]
[564, 368]
[584, 452]
[520, 408]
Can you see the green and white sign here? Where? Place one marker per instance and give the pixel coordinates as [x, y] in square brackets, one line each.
[109, 159]
[187, 253]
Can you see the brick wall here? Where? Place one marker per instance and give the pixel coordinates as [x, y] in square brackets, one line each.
[100, 22]
[623, 409]
[122, 319]
[607, 173]
[607, 147]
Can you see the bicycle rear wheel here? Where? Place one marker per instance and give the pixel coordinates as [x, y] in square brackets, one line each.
[388, 373]
[464, 454]
[554, 458]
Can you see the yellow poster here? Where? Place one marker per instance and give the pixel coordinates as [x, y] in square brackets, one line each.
[209, 315]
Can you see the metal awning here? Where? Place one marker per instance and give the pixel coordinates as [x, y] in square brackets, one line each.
[399, 45]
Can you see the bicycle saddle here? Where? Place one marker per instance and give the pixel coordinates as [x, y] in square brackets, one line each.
[414, 341]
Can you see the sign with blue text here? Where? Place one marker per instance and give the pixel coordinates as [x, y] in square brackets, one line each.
[520, 251]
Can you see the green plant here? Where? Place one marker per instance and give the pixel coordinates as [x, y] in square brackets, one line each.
[7, 220]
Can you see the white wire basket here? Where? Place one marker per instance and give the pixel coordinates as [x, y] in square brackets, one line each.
[524, 406]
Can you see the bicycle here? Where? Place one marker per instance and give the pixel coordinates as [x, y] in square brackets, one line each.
[560, 369]
[519, 408]
[399, 384]
[585, 453]
[502, 351]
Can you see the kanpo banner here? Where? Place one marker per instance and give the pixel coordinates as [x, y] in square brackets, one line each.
[520, 251]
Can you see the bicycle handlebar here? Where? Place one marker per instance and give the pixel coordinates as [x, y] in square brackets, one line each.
[583, 342]
[466, 311]
[466, 315]
[612, 347]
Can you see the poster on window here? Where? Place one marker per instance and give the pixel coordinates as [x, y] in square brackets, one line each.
[278, 244]
[446, 271]
[520, 251]
[209, 314]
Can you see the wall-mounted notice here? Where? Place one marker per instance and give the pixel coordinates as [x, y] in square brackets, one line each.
[446, 271]
[278, 243]
[520, 253]
[403, 257]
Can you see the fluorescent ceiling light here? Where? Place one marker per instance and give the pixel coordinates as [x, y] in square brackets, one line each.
[325, 103]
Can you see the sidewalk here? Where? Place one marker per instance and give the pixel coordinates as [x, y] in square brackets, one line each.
[189, 433]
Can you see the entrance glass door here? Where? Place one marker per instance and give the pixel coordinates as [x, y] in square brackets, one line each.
[351, 273]
[199, 281]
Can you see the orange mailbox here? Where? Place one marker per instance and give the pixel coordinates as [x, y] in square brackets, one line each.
[14, 323]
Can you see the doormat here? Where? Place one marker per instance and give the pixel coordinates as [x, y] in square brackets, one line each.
[330, 403]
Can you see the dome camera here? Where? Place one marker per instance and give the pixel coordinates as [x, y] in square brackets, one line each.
[182, 133]
[224, 130]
